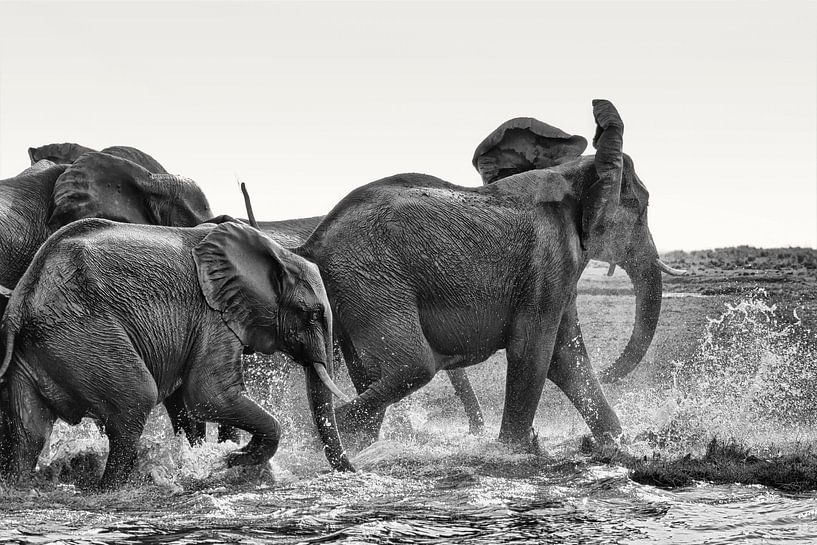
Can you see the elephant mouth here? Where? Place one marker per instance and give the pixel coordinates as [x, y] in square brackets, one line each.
[323, 374]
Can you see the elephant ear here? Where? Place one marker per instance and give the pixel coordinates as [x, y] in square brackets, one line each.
[242, 274]
[99, 185]
[523, 144]
[62, 154]
[137, 156]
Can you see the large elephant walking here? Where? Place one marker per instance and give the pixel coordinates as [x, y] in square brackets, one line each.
[424, 275]
[523, 144]
[136, 313]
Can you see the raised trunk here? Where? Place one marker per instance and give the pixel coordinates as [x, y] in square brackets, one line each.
[647, 283]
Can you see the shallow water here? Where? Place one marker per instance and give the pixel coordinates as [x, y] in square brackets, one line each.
[429, 481]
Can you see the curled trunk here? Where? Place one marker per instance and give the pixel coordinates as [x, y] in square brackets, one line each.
[647, 284]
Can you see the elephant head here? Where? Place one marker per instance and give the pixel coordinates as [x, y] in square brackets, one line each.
[99, 185]
[62, 154]
[67, 153]
[523, 144]
[274, 300]
[613, 206]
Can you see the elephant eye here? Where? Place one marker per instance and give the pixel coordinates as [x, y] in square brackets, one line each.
[313, 315]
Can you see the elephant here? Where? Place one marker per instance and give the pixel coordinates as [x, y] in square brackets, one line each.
[111, 318]
[47, 196]
[523, 144]
[423, 275]
[67, 153]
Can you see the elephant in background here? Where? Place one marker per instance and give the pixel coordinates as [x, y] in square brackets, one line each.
[67, 153]
[137, 313]
[424, 275]
[524, 144]
[47, 196]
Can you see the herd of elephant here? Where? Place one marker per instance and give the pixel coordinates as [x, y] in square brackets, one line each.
[122, 290]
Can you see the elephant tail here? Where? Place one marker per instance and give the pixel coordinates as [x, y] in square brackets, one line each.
[8, 331]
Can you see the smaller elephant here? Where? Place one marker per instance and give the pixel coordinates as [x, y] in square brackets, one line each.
[67, 153]
[112, 318]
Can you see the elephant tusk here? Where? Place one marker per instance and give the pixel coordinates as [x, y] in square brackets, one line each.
[328, 382]
[667, 269]
[611, 270]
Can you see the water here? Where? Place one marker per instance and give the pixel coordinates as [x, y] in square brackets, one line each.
[428, 481]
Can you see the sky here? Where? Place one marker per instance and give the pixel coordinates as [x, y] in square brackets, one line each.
[306, 101]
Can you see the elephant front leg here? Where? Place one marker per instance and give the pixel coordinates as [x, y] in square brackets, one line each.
[572, 372]
[218, 395]
[528, 352]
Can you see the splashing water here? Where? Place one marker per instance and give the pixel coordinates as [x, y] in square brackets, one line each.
[427, 480]
[752, 378]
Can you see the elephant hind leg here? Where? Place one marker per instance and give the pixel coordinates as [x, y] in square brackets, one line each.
[124, 418]
[30, 422]
[470, 402]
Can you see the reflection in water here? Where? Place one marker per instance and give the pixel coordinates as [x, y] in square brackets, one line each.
[428, 481]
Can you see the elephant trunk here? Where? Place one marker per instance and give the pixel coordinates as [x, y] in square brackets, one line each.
[647, 284]
[323, 414]
[319, 389]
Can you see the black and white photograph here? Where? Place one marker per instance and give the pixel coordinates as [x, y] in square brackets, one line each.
[395, 272]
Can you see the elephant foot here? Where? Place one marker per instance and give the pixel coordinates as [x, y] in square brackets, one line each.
[255, 452]
[527, 445]
[605, 448]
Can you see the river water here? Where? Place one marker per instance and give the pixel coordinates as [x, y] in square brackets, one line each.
[429, 481]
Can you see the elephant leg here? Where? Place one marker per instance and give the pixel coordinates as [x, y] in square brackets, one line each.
[124, 418]
[31, 421]
[402, 364]
[181, 421]
[529, 352]
[572, 372]
[362, 380]
[464, 390]
[217, 394]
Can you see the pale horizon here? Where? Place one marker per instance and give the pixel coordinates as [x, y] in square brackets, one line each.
[306, 101]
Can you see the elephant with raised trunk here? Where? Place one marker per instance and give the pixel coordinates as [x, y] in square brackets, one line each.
[524, 144]
[137, 313]
[67, 153]
[424, 275]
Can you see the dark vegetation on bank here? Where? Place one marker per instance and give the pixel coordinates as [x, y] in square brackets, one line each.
[723, 462]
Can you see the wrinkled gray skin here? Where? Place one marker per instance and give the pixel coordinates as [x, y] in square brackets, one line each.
[46, 196]
[524, 144]
[67, 153]
[424, 276]
[136, 313]
[289, 234]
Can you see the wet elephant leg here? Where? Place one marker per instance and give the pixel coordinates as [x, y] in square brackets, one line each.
[361, 379]
[124, 417]
[529, 352]
[195, 431]
[572, 371]
[402, 362]
[30, 423]
[464, 390]
[216, 393]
